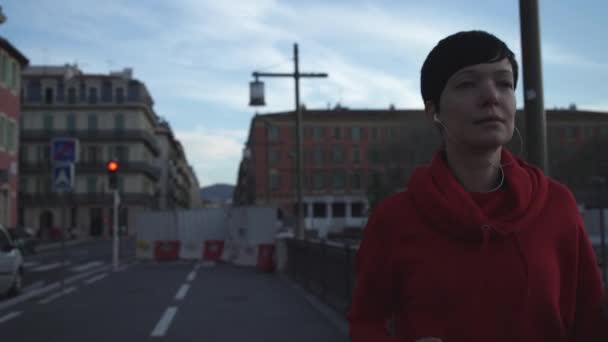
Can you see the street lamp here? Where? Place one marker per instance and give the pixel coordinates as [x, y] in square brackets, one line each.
[257, 99]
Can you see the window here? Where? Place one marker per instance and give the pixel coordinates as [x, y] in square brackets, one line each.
[356, 181]
[71, 122]
[273, 133]
[133, 91]
[93, 154]
[120, 95]
[11, 134]
[355, 133]
[374, 155]
[60, 91]
[71, 95]
[48, 122]
[275, 181]
[106, 91]
[83, 91]
[34, 91]
[356, 209]
[93, 95]
[92, 122]
[44, 153]
[604, 131]
[2, 134]
[24, 153]
[119, 121]
[121, 153]
[588, 132]
[91, 184]
[318, 133]
[356, 156]
[338, 209]
[339, 181]
[317, 155]
[318, 181]
[23, 185]
[48, 96]
[7, 71]
[319, 209]
[394, 133]
[570, 132]
[14, 75]
[338, 154]
[274, 156]
[337, 133]
[3, 62]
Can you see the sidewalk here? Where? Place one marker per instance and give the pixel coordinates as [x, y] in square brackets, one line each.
[49, 246]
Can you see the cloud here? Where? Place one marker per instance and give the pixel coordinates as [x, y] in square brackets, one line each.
[213, 153]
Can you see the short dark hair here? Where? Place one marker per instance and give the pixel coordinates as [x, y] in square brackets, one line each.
[458, 51]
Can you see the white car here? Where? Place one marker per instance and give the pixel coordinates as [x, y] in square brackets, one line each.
[11, 265]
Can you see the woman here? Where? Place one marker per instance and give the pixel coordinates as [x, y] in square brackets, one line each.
[481, 246]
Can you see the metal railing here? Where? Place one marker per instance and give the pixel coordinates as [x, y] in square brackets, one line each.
[325, 269]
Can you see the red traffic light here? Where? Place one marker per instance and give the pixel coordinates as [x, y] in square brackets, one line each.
[112, 166]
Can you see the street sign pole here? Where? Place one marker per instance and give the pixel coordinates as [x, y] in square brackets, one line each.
[115, 230]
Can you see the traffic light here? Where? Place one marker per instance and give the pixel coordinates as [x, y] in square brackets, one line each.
[112, 167]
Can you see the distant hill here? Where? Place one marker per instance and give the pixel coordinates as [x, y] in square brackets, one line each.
[217, 192]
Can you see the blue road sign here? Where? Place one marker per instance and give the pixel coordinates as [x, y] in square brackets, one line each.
[63, 177]
[64, 150]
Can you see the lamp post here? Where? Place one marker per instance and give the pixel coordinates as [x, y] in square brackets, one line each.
[257, 99]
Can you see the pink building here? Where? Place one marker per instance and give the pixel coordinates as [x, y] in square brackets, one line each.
[11, 62]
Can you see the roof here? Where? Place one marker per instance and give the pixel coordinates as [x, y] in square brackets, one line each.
[392, 114]
[13, 51]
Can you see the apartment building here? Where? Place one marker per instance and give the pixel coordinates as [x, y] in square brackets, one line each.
[112, 117]
[11, 63]
[178, 186]
[349, 153]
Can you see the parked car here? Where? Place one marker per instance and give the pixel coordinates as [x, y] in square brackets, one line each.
[11, 265]
[25, 239]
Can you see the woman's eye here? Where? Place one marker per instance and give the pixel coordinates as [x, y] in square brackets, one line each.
[507, 84]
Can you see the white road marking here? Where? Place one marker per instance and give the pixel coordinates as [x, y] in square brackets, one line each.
[95, 279]
[165, 321]
[29, 264]
[57, 295]
[181, 293]
[49, 267]
[39, 292]
[9, 316]
[33, 286]
[27, 296]
[191, 276]
[86, 266]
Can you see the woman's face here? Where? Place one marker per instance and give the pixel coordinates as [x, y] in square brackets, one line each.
[477, 106]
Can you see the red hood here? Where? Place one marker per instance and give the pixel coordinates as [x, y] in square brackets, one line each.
[451, 209]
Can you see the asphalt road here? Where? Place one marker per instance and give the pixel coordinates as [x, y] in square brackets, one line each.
[179, 301]
[53, 265]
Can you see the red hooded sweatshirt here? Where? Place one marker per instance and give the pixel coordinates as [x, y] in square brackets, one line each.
[512, 265]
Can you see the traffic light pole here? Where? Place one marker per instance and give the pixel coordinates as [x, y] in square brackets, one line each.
[115, 230]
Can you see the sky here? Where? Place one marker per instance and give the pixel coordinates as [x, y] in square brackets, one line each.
[196, 56]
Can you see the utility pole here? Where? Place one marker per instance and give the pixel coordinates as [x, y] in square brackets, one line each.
[257, 90]
[536, 121]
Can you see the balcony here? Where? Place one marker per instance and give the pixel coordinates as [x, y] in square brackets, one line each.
[36, 135]
[132, 167]
[69, 199]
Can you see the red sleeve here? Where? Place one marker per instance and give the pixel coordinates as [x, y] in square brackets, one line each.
[373, 298]
[590, 321]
